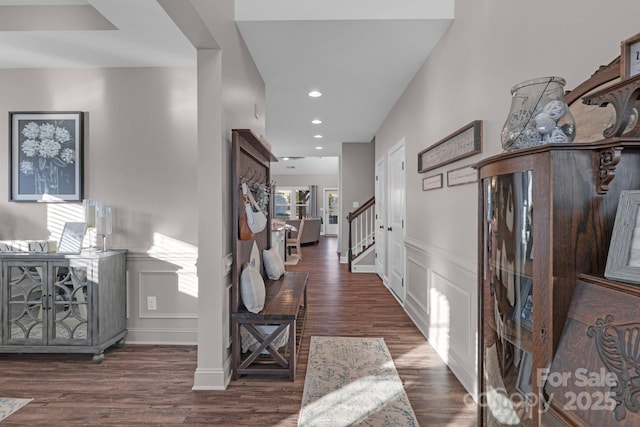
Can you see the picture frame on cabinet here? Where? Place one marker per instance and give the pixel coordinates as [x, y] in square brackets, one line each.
[46, 156]
[523, 384]
[523, 310]
[623, 260]
[72, 237]
[630, 57]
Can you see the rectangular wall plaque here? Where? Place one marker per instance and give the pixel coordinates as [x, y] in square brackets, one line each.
[464, 142]
[463, 175]
[432, 182]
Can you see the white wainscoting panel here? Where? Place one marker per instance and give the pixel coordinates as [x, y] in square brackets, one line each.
[442, 302]
[176, 295]
[170, 277]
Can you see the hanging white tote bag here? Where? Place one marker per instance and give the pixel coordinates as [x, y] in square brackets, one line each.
[256, 219]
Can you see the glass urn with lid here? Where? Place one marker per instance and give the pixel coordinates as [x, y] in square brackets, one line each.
[539, 115]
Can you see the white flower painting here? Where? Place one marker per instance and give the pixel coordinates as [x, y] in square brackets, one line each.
[45, 153]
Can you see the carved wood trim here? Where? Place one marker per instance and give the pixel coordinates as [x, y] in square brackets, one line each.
[619, 349]
[602, 75]
[606, 161]
[623, 96]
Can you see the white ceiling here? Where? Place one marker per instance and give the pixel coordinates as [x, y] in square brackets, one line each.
[360, 54]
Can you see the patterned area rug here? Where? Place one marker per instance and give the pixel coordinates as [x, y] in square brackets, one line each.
[8, 406]
[353, 381]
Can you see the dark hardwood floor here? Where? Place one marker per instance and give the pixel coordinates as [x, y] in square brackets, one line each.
[151, 385]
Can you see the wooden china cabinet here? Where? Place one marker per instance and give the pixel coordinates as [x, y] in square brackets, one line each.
[546, 216]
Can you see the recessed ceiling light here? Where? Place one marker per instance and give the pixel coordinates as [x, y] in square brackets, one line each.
[316, 121]
[285, 158]
[317, 136]
[315, 93]
[318, 148]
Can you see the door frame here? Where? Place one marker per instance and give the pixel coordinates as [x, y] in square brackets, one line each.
[325, 210]
[380, 233]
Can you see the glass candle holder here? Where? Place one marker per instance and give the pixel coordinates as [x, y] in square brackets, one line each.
[104, 223]
[89, 206]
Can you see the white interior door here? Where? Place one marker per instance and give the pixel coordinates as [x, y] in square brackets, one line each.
[331, 211]
[395, 223]
[381, 234]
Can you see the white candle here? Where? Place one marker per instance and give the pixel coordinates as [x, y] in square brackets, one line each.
[89, 212]
[103, 220]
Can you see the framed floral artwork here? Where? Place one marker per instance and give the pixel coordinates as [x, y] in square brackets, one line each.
[45, 161]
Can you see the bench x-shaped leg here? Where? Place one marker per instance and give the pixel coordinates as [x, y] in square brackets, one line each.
[265, 342]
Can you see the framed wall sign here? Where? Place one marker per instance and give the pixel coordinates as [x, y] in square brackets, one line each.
[623, 260]
[45, 162]
[464, 142]
[463, 175]
[432, 182]
[630, 57]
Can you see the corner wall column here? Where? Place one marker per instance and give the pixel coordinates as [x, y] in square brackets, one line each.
[210, 373]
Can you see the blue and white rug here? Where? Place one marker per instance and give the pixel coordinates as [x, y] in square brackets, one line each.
[353, 381]
[8, 406]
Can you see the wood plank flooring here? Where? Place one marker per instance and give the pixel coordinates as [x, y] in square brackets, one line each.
[151, 385]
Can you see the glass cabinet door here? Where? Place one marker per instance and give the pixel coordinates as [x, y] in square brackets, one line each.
[507, 299]
[26, 291]
[48, 312]
[71, 296]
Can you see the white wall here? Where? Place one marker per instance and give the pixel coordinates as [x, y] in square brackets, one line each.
[491, 46]
[357, 184]
[124, 135]
[139, 156]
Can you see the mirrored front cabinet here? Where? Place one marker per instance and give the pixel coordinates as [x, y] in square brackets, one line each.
[62, 304]
[546, 216]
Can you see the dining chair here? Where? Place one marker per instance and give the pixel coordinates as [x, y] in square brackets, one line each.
[294, 242]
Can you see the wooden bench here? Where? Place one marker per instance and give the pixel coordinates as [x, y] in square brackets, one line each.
[285, 306]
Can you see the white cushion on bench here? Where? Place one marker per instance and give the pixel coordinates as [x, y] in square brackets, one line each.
[252, 289]
[273, 264]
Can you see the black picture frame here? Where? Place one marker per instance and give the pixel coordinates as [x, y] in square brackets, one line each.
[46, 156]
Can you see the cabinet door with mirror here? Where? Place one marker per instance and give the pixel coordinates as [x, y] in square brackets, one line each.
[48, 312]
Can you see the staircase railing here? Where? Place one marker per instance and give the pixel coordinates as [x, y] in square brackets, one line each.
[361, 229]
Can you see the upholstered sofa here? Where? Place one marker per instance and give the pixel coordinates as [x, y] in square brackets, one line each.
[311, 231]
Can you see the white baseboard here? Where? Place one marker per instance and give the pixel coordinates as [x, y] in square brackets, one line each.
[363, 268]
[162, 336]
[210, 379]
